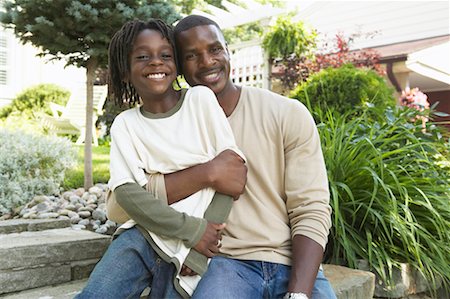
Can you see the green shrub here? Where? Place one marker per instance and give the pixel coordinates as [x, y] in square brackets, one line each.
[36, 98]
[390, 190]
[31, 165]
[345, 88]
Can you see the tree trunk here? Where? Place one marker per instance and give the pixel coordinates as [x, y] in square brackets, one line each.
[90, 77]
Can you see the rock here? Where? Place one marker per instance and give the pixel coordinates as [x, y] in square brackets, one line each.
[74, 199]
[92, 199]
[79, 192]
[6, 217]
[98, 214]
[48, 215]
[110, 223]
[72, 214]
[75, 220]
[43, 206]
[78, 227]
[96, 191]
[85, 196]
[102, 229]
[84, 222]
[84, 214]
[87, 208]
[66, 195]
[30, 215]
[71, 207]
[64, 212]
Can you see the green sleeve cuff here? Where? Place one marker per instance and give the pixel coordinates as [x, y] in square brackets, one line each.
[156, 216]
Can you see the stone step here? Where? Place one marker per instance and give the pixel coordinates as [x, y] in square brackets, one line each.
[23, 225]
[66, 290]
[347, 283]
[34, 259]
[350, 283]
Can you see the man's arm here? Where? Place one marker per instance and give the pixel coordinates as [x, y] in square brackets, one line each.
[306, 258]
[306, 187]
[226, 174]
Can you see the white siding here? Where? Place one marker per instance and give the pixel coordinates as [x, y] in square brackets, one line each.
[24, 69]
[395, 21]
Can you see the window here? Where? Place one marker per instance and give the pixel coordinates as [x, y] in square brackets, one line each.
[3, 58]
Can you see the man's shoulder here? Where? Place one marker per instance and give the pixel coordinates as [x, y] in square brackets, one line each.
[270, 99]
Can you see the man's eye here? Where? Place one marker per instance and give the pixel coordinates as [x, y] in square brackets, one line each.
[216, 50]
[190, 56]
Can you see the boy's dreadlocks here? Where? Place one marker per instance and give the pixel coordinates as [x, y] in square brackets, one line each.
[120, 49]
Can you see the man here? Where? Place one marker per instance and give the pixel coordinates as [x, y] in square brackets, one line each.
[273, 243]
[277, 230]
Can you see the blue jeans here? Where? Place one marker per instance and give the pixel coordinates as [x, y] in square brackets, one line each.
[229, 278]
[130, 265]
[127, 268]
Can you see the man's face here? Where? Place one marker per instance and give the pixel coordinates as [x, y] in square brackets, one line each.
[204, 57]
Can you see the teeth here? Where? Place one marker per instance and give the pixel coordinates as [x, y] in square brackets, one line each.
[211, 76]
[156, 76]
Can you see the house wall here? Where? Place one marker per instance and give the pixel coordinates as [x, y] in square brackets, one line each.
[393, 21]
[20, 68]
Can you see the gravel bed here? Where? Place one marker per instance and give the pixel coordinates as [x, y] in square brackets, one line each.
[84, 209]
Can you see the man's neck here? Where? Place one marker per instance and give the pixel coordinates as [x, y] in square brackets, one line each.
[229, 98]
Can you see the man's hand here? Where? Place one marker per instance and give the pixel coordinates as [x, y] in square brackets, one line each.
[228, 173]
[210, 242]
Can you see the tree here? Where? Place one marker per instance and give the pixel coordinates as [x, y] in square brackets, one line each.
[287, 43]
[79, 31]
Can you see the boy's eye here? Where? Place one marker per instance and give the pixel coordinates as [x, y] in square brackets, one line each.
[166, 56]
[142, 57]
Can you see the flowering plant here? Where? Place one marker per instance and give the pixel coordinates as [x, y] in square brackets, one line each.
[414, 98]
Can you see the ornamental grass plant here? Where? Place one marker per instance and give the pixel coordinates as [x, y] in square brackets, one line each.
[390, 190]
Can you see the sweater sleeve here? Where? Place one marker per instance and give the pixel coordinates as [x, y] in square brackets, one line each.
[306, 182]
[155, 215]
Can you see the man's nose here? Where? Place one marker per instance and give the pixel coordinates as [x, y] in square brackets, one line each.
[207, 59]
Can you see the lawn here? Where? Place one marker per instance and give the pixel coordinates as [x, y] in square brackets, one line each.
[100, 166]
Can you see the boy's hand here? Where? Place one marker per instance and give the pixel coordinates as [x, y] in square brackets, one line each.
[228, 173]
[211, 240]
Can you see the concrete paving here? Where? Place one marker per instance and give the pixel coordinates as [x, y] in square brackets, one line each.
[61, 291]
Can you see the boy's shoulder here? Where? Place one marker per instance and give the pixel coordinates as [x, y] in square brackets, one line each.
[200, 90]
[200, 95]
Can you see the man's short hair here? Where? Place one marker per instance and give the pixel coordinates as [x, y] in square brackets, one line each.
[193, 21]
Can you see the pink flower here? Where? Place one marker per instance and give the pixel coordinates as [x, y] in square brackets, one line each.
[414, 98]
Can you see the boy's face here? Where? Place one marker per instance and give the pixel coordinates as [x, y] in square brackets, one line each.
[152, 64]
[204, 57]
